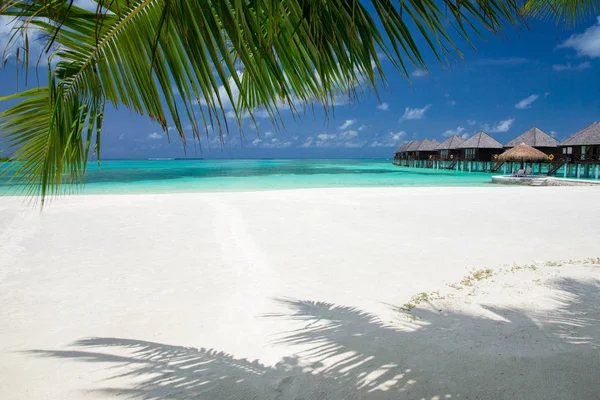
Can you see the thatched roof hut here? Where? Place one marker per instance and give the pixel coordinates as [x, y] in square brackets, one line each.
[588, 136]
[534, 137]
[413, 146]
[451, 143]
[523, 152]
[402, 147]
[427, 145]
[480, 140]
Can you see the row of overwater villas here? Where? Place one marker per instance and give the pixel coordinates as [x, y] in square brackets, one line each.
[578, 156]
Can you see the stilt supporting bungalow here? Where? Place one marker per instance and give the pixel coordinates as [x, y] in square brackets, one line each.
[576, 157]
[448, 154]
[581, 153]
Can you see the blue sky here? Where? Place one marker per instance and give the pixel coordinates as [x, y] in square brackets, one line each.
[546, 76]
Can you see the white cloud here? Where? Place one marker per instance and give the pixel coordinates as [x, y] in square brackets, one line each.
[383, 106]
[11, 40]
[155, 136]
[348, 123]
[276, 144]
[391, 139]
[122, 136]
[418, 73]
[307, 142]
[586, 44]
[451, 132]
[346, 139]
[451, 102]
[415, 113]
[500, 127]
[526, 102]
[569, 67]
[362, 128]
[348, 134]
[553, 133]
[546, 94]
[326, 136]
[223, 96]
[471, 122]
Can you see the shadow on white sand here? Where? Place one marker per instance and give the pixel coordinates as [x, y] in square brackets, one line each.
[350, 354]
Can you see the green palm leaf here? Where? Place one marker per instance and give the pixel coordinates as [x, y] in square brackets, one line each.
[135, 53]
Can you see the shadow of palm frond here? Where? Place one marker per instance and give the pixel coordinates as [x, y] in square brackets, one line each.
[347, 353]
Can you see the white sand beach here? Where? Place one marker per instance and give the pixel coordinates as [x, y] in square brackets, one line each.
[299, 295]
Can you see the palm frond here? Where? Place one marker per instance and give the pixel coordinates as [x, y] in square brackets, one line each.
[258, 53]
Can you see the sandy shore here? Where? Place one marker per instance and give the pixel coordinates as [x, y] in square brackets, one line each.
[299, 294]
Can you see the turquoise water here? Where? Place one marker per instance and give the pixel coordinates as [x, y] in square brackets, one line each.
[168, 176]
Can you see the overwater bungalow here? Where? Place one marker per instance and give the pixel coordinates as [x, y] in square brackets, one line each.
[581, 153]
[426, 149]
[448, 153]
[400, 155]
[537, 139]
[480, 152]
[411, 150]
[576, 157]
[584, 146]
[421, 153]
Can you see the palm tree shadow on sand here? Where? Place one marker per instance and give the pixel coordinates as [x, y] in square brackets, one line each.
[346, 353]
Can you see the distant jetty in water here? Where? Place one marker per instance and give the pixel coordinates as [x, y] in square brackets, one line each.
[173, 159]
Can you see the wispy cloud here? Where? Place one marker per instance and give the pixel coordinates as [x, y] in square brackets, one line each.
[348, 123]
[391, 139]
[500, 61]
[471, 122]
[500, 127]
[155, 136]
[122, 136]
[383, 106]
[459, 131]
[273, 143]
[347, 139]
[568, 67]
[586, 44]
[308, 142]
[526, 102]
[415, 113]
[553, 134]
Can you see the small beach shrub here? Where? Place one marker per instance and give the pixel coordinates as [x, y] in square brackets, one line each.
[421, 298]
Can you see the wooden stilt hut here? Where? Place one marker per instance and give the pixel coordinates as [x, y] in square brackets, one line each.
[400, 153]
[584, 146]
[426, 152]
[411, 151]
[537, 139]
[480, 152]
[448, 153]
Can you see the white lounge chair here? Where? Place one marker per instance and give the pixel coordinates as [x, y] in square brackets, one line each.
[528, 171]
